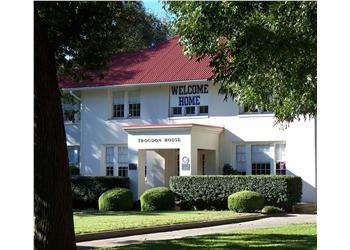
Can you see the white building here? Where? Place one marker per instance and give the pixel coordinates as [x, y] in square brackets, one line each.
[154, 115]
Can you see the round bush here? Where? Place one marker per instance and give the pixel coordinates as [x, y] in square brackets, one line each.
[271, 210]
[157, 199]
[117, 199]
[245, 201]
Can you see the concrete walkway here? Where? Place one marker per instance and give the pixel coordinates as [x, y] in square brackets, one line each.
[261, 223]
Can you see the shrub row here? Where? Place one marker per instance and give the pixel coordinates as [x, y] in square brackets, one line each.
[87, 189]
[212, 191]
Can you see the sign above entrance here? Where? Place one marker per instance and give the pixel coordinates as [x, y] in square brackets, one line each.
[158, 140]
[189, 95]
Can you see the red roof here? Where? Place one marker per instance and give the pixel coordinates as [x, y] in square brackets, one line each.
[164, 62]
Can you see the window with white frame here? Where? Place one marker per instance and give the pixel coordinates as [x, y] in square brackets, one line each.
[241, 158]
[134, 104]
[260, 159]
[109, 161]
[118, 104]
[280, 159]
[73, 155]
[123, 168]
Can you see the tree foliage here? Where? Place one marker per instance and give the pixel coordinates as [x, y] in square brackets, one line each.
[85, 34]
[261, 53]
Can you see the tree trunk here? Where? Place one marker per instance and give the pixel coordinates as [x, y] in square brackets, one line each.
[52, 192]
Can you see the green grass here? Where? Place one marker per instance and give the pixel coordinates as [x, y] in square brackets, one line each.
[298, 237]
[96, 221]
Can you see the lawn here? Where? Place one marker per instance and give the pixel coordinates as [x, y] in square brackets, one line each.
[298, 237]
[95, 221]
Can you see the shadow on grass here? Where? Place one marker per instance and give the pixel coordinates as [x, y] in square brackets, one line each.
[238, 241]
[87, 213]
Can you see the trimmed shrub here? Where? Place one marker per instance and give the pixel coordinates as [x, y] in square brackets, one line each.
[117, 199]
[212, 191]
[87, 189]
[245, 201]
[271, 210]
[74, 170]
[157, 199]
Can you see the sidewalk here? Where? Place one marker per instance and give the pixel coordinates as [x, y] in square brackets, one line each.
[261, 223]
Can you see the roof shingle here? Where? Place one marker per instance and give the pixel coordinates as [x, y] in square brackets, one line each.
[164, 62]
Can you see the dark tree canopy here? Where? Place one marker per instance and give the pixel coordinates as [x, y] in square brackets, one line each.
[85, 34]
[262, 53]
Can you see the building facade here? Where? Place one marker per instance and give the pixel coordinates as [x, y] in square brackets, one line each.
[154, 115]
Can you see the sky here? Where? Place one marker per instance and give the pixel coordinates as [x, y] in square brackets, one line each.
[156, 8]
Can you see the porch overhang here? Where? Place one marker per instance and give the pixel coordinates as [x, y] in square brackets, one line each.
[137, 129]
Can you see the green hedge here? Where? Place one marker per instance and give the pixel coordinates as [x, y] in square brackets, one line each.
[207, 192]
[245, 202]
[117, 199]
[157, 199]
[87, 189]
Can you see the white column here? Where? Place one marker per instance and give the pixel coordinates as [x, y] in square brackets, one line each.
[141, 172]
[133, 174]
[194, 161]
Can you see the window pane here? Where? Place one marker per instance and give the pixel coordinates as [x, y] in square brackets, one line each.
[260, 153]
[123, 171]
[118, 98]
[134, 110]
[280, 152]
[241, 157]
[177, 111]
[190, 110]
[109, 155]
[134, 97]
[203, 109]
[73, 155]
[122, 154]
[109, 171]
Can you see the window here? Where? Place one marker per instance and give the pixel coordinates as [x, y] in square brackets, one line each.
[252, 110]
[134, 104]
[280, 159]
[109, 161]
[261, 168]
[260, 159]
[123, 161]
[203, 110]
[109, 171]
[73, 155]
[176, 111]
[71, 112]
[118, 104]
[123, 171]
[190, 110]
[241, 158]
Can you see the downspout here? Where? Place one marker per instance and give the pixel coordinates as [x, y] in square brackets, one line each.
[74, 95]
